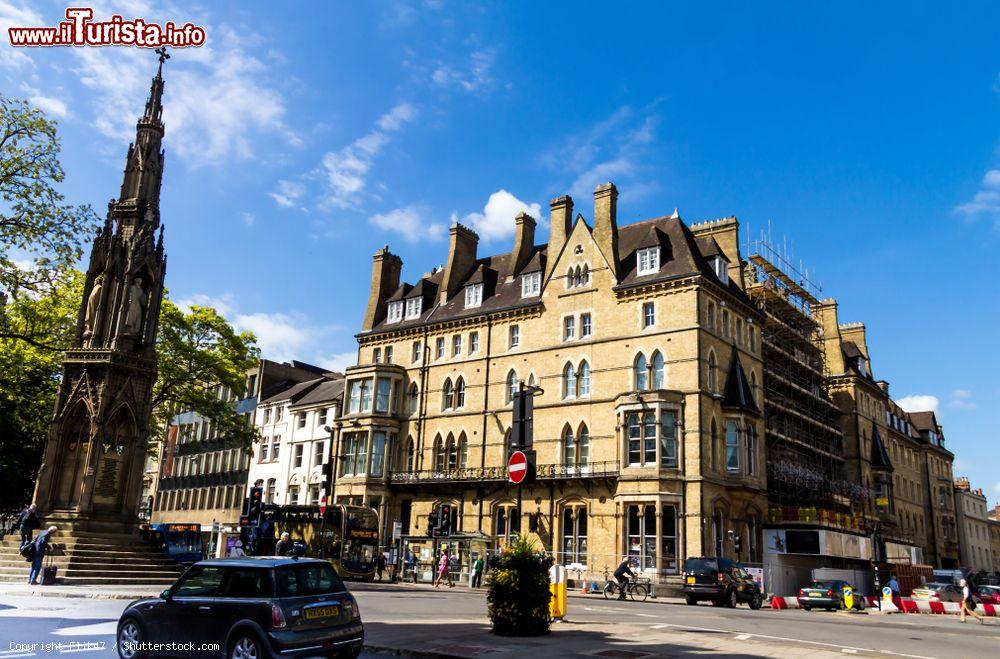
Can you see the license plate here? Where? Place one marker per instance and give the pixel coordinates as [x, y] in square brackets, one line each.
[815, 594]
[690, 579]
[321, 612]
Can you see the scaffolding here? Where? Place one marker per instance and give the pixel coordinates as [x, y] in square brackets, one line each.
[802, 425]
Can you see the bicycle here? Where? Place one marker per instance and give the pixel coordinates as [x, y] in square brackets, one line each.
[637, 592]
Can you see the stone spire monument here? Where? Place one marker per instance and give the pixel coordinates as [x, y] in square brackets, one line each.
[91, 474]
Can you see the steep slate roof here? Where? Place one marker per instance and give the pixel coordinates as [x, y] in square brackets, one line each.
[880, 457]
[738, 393]
[924, 421]
[327, 392]
[851, 350]
[681, 256]
[294, 392]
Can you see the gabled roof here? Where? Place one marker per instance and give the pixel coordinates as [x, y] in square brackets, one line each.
[738, 394]
[880, 457]
[294, 392]
[924, 421]
[400, 293]
[535, 264]
[851, 350]
[709, 247]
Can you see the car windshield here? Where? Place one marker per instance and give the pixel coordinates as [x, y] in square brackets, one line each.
[701, 565]
[307, 579]
[823, 584]
[936, 586]
[990, 590]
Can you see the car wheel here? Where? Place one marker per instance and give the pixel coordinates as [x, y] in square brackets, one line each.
[807, 608]
[245, 646]
[732, 600]
[691, 601]
[719, 602]
[129, 637]
[756, 602]
[862, 604]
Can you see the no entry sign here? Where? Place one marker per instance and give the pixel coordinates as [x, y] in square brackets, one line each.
[517, 467]
[322, 505]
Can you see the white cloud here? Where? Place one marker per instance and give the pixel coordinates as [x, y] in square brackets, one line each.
[475, 75]
[288, 193]
[919, 403]
[281, 336]
[346, 171]
[52, 106]
[986, 201]
[497, 219]
[409, 223]
[217, 99]
[248, 218]
[16, 15]
[962, 399]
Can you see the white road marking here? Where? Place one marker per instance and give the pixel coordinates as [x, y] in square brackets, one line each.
[109, 628]
[646, 615]
[743, 637]
[660, 626]
[849, 651]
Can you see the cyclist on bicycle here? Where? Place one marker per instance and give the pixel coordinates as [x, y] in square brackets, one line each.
[624, 568]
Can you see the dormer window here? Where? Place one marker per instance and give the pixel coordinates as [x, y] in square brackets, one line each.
[473, 295]
[531, 284]
[862, 366]
[395, 312]
[648, 260]
[721, 268]
[414, 306]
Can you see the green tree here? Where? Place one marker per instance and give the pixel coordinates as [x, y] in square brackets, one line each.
[196, 351]
[40, 236]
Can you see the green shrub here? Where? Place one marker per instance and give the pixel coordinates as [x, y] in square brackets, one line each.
[518, 595]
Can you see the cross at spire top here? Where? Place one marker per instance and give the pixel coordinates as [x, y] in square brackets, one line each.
[164, 56]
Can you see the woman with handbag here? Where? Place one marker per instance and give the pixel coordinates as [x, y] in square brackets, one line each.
[968, 603]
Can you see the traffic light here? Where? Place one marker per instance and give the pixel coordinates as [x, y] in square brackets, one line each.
[255, 504]
[522, 435]
[328, 474]
[444, 521]
[738, 545]
[432, 522]
[529, 477]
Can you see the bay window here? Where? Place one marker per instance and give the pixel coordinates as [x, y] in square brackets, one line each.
[574, 536]
[383, 387]
[732, 447]
[641, 530]
[668, 440]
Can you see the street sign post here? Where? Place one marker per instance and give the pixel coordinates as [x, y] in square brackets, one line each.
[521, 460]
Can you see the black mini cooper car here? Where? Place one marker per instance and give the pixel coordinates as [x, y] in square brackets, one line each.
[721, 581]
[246, 608]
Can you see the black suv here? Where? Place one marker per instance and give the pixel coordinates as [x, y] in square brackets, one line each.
[246, 608]
[721, 581]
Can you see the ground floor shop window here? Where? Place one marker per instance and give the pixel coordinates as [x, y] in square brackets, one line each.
[642, 535]
[505, 523]
[574, 535]
[668, 539]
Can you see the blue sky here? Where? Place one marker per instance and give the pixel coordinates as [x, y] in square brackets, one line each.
[303, 137]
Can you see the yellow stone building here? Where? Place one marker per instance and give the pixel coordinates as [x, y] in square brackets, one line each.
[648, 428]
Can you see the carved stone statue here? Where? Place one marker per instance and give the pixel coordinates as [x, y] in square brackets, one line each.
[136, 308]
[93, 302]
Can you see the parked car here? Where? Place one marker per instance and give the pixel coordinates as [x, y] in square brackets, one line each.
[989, 594]
[938, 592]
[721, 581]
[828, 594]
[247, 608]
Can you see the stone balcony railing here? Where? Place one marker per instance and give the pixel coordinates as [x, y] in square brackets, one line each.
[476, 474]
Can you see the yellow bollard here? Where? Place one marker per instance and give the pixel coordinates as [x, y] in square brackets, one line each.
[557, 586]
[848, 598]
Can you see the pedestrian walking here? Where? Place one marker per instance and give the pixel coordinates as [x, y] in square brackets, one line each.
[41, 545]
[284, 546]
[27, 522]
[477, 572]
[444, 570]
[380, 565]
[968, 603]
[237, 551]
[893, 586]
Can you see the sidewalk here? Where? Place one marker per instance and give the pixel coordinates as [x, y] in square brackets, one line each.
[93, 592]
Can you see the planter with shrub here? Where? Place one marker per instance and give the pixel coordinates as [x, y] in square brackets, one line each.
[518, 595]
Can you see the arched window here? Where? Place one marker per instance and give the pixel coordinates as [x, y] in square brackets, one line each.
[569, 381]
[531, 380]
[574, 535]
[511, 385]
[452, 452]
[641, 374]
[657, 370]
[463, 451]
[583, 445]
[753, 385]
[439, 455]
[414, 397]
[585, 276]
[714, 442]
[713, 367]
[584, 379]
[505, 523]
[410, 455]
[569, 447]
[718, 533]
[448, 395]
[460, 392]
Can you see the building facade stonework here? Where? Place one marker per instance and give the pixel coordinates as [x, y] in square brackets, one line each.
[648, 431]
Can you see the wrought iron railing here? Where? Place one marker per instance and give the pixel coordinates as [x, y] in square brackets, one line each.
[474, 474]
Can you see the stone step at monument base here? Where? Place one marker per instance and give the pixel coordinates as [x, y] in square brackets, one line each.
[94, 557]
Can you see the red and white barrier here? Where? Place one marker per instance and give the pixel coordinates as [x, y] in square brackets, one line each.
[905, 605]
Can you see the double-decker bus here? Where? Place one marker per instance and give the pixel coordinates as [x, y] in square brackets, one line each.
[180, 542]
[348, 537]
